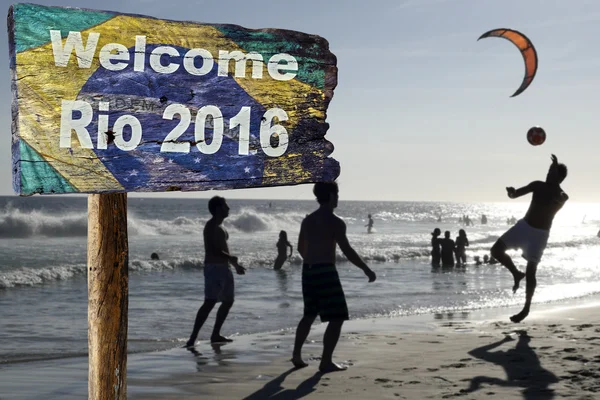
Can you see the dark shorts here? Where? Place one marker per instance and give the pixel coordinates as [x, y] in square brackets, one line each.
[218, 283]
[322, 292]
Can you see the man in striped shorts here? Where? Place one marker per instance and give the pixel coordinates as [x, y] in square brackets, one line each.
[321, 287]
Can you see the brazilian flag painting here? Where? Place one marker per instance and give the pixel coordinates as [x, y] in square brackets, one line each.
[105, 102]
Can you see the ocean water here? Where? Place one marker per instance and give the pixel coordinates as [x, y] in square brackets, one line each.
[43, 283]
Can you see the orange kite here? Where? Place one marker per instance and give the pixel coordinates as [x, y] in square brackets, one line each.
[527, 51]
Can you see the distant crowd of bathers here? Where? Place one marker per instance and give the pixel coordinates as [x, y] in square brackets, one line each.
[466, 220]
[445, 250]
[448, 253]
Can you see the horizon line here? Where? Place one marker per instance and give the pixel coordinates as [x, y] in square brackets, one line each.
[137, 196]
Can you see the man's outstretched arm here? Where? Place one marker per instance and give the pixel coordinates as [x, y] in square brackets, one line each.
[483, 351]
[514, 193]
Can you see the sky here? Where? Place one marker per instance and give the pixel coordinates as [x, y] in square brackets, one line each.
[422, 110]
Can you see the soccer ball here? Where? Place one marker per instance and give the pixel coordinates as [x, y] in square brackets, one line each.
[536, 136]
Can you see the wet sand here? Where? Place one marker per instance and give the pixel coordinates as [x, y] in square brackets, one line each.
[552, 354]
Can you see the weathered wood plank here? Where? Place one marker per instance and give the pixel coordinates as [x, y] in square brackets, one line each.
[267, 106]
[108, 295]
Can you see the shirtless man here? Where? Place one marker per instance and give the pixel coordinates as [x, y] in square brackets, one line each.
[321, 287]
[531, 233]
[218, 279]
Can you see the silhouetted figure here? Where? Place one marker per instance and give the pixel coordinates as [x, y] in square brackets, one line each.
[321, 287]
[218, 279]
[439, 218]
[477, 260]
[486, 259]
[448, 250]
[461, 243]
[154, 256]
[436, 251]
[531, 233]
[598, 234]
[483, 219]
[369, 225]
[282, 246]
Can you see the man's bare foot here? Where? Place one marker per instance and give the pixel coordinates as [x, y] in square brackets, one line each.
[519, 317]
[331, 367]
[189, 344]
[219, 339]
[298, 362]
[193, 351]
[518, 277]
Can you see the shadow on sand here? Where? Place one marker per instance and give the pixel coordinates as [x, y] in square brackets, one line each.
[274, 390]
[522, 367]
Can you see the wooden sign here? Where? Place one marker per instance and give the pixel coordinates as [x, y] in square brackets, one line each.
[105, 102]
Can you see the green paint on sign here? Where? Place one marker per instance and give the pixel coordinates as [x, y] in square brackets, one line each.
[40, 173]
[310, 70]
[40, 20]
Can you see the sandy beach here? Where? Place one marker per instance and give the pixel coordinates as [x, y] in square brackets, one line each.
[555, 353]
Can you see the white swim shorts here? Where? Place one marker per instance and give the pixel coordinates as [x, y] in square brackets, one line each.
[531, 241]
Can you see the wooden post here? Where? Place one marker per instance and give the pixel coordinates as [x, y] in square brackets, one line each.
[108, 297]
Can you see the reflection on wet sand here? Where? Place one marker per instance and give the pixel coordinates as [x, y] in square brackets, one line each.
[450, 315]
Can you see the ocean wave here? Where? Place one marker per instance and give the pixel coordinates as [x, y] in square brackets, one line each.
[164, 265]
[15, 223]
[180, 225]
[249, 220]
[392, 255]
[38, 276]
[25, 276]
